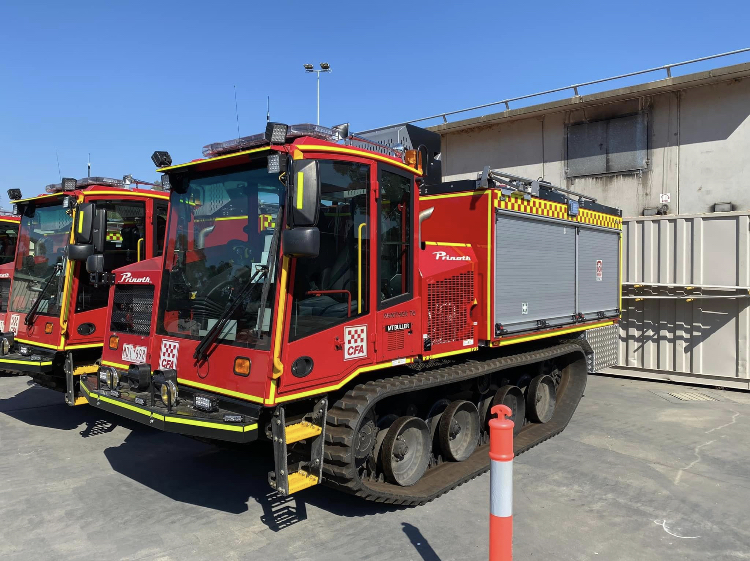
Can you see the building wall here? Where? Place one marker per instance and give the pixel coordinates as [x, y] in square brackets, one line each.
[698, 146]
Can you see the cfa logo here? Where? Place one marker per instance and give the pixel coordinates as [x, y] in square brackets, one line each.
[445, 257]
[128, 277]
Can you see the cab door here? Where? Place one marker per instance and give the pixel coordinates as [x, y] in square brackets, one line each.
[397, 322]
[330, 310]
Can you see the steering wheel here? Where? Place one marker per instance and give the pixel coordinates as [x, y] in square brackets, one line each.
[240, 251]
[220, 284]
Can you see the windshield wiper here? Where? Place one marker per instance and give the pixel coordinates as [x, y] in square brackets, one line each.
[267, 280]
[208, 339]
[29, 320]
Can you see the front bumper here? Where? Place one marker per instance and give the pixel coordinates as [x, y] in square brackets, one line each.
[182, 419]
[16, 362]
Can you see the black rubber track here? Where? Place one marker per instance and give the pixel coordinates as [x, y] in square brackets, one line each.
[346, 414]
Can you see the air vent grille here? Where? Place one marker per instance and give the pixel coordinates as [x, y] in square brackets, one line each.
[449, 304]
[131, 312]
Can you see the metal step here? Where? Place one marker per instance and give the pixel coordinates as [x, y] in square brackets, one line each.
[310, 433]
[302, 431]
[301, 480]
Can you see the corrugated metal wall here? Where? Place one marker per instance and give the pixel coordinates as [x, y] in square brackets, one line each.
[686, 314]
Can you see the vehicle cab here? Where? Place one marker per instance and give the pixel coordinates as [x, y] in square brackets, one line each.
[267, 289]
[56, 309]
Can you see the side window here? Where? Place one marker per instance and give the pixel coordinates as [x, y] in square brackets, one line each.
[160, 226]
[333, 287]
[395, 236]
[124, 244]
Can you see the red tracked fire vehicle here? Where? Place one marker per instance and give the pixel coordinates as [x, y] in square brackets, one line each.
[332, 294]
[56, 313]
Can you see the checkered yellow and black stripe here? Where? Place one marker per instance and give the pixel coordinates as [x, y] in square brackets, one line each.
[557, 210]
[114, 237]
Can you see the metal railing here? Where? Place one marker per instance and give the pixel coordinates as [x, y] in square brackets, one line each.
[667, 67]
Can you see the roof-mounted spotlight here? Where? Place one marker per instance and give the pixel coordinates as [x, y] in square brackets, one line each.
[276, 133]
[161, 159]
[325, 66]
[14, 194]
[342, 130]
[309, 67]
[68, 184]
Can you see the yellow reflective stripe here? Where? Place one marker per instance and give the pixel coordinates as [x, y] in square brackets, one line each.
[220, 390]
[45, 345]
[44, 363]
[272, 392]
[229, 218]
[451, 353]
[449, 244]
[360, 153]
[116, 364]
[300, 184]
[248, 428]
[551, 333]
[87, 346]
[449, 196]
[37, 197]
[345, 381]
[217, 158]
[80, 222]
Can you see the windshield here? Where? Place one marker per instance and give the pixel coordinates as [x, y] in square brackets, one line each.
[220, 232]
[42, 239]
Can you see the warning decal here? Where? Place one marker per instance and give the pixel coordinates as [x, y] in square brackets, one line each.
[599, 267]
[169, 352]
[355, 342]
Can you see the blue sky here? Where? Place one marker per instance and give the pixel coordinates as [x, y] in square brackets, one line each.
[120, 80]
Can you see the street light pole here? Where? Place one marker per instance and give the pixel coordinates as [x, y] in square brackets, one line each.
[324, 67]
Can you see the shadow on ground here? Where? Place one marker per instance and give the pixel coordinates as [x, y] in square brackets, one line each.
[218, 477]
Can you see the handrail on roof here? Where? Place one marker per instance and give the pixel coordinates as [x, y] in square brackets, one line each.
[574, 87]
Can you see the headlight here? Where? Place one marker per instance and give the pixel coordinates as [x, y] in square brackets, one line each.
[4, 346]
[169, 393]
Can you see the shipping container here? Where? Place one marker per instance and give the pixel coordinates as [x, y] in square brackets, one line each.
[686, 291]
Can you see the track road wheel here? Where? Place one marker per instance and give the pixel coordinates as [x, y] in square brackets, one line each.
[405, 452]
[512, 396]
[458, 432]
[541, 399]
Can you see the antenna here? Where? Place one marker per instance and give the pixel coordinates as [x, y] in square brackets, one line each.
[58, 164]
[268, 109]
[236, 111]
[89, 172]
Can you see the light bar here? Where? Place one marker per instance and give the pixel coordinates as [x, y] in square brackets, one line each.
[255, 140]
[53, 188]
[89, 181]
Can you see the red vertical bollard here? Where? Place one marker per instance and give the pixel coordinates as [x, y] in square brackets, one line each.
[501, 484]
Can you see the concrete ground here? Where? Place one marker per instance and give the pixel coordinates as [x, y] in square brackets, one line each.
[637, 475]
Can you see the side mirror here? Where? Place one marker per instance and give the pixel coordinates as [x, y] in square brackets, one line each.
[80, 251]
[304, 194]
[95, 263]
[301, 242]
[84, 222]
